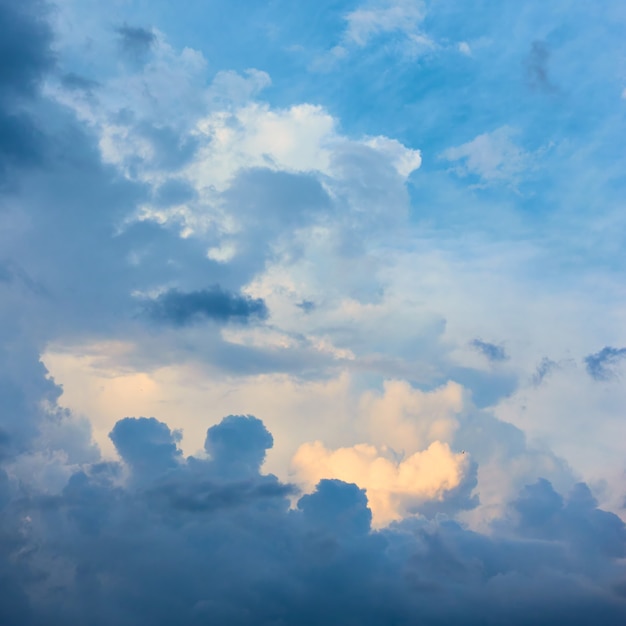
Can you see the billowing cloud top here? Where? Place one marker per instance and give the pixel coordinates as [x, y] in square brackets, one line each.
[384, 239]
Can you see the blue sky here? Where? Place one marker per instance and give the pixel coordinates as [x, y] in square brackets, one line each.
[312, 312]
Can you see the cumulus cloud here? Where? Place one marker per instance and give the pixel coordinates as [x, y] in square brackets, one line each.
[190, 542]
[286, 204]
[237, 445]
[146, 444]
[393, 486]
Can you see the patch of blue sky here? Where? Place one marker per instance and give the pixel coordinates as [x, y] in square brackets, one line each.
[541, 87]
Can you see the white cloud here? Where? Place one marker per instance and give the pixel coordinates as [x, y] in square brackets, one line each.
[493, 157]
[385, 16]
[464, 48]
[407, 419]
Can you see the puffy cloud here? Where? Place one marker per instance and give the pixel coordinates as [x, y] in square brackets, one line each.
[394, 487]
[237, 445]
[284, 203]
[388, 16]
[146, 444]
[408, 419]
[492, 157]
[193, 543]
[337, 507]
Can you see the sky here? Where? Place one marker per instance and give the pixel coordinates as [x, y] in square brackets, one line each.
[312, 312]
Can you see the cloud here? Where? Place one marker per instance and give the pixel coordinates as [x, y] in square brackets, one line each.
[537, 67]
[27, 57]
[493, 352]
[338, 507]
[76, 82]
[601, 365]
[26, 44]
[194, 543]
[179, 308]
[135, 41]
[492, 157]
[308, 306]
[388, 16]
[237, 445]
[545, 367]
[394, 487]
[292, 203]
[146, 444]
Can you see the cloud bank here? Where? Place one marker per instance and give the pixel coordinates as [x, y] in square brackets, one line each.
[159, 539]
[362, 229]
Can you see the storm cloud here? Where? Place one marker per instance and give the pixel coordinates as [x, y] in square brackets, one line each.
[191, 540]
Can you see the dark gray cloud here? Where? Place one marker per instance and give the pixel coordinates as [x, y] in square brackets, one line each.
[135, 41]
[180, 308]
[21, 141]
[601, 365]
[493, 352]
[338, 508]
[25, 58]
[25, 47]
[146, 444]
[189, 543]
[237, 445]
[207, 496]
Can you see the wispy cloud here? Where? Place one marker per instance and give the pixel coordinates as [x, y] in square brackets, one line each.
[602, 364]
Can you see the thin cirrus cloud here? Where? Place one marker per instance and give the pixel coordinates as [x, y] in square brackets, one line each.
[364, 228]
